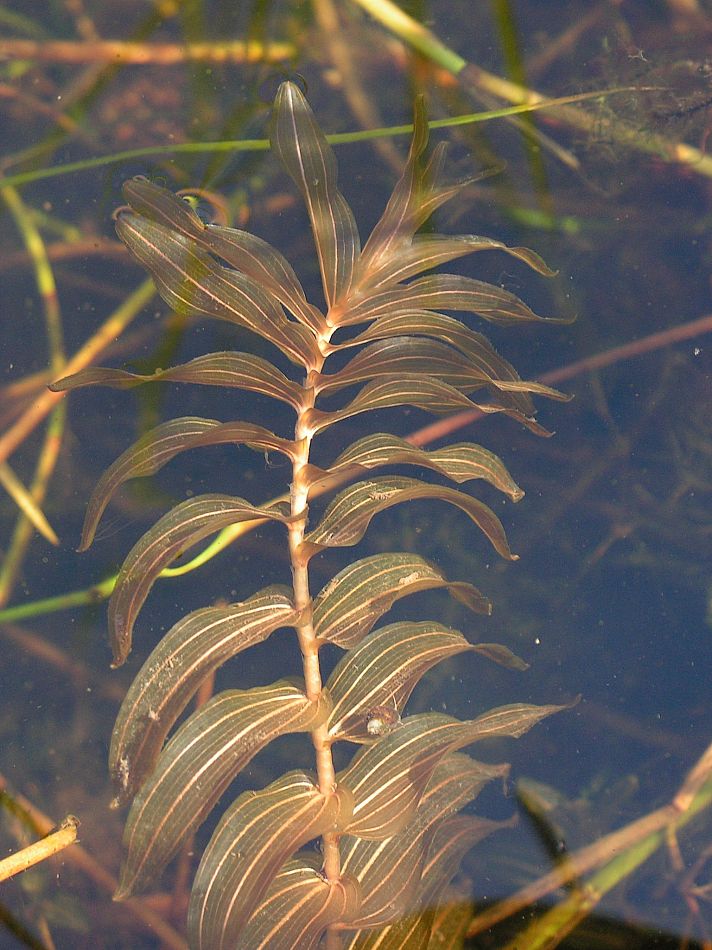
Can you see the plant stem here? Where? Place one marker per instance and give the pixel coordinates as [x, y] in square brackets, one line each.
[308, 642]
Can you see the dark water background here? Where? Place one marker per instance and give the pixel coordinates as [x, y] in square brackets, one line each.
[611, 597]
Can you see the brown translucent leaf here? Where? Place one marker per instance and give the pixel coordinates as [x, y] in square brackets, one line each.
[179, 529]
[204, 756]
[451, 841]
[158, 446]
[348, 516]
[267, 266]
[190, 282]
[252, 841]
[409, 205]
[450, 922]
[411, 932]
[244, 251]
[161, 206]
[387, 778]
[447, 292]
[371, 684]
[409, 356]
[389, 871]
[349, 605]
[424, 392]
[460, 462]
[431, 250]
[298, 906]
[236, 370]
[307, 156]
[473, 345]
[195, 646]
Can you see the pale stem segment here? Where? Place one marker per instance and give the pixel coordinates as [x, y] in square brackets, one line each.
[299, 509]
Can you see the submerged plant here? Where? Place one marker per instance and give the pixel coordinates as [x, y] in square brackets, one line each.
[390, 824]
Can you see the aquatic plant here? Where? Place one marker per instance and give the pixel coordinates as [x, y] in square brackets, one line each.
[390, 824]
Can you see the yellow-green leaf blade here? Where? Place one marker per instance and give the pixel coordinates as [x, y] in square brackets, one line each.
[195, 646]
[197, 765]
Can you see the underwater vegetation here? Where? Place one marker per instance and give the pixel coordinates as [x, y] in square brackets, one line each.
[597, 117]
[390, 822]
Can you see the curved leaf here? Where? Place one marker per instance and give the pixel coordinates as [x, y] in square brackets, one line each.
[267, 266]
[158, 446]
[451, 841]
[408, 206]
[412, 932]
[195, 646]
[299, 905]
[242, 250]
[389, 871]
[460, 462]
[447, 329]
[387, 778]
[237, 370]
[190, 281]
[430, 926]
[450, 921]
[371, 684]
[348, 516]
[178, 530]
[349, 605]
[423, 392]
[447, 292]
[307, 156]
[408, 356]
[209, 750]
[430, 250]
[253, 839]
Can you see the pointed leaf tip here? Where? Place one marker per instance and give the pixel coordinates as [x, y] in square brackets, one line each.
[309, 160]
